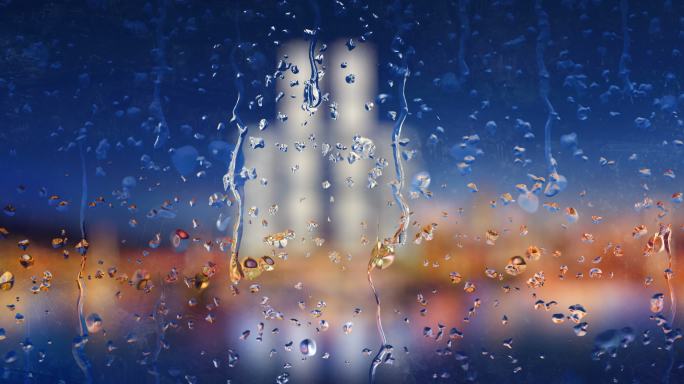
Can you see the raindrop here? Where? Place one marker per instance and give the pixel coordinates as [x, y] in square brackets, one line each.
[307, 347]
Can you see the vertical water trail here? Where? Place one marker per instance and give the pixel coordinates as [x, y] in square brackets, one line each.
[556, 182]
[382, 257]
[665, 237]
[665, 233]
[236, 273]
[27, 349]
[383, 252]
[312, 91]
[400, 234]
[544, 86]
[465, 33]
[377, 360]
[78, 349]
[626, 44]
[162, 128]
[161, 330]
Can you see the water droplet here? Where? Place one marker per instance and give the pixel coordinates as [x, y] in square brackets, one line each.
[94, 323]
[307, 347]
[516, 265]
[6, 281]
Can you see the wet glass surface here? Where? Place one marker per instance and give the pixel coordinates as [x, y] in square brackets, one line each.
[341, 191]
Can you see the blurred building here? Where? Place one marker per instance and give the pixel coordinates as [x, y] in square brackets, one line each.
[296, 178]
